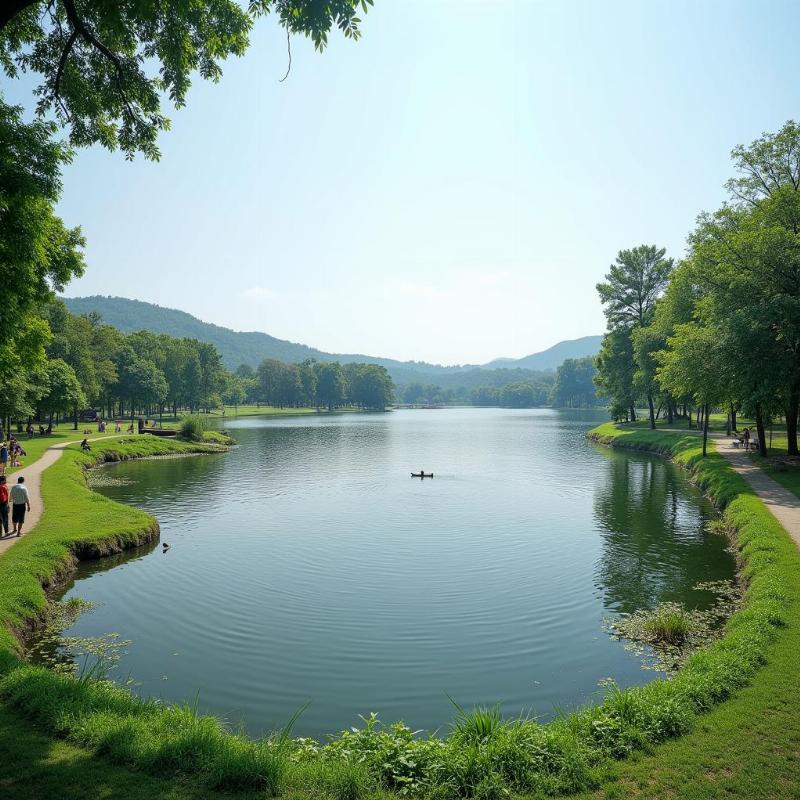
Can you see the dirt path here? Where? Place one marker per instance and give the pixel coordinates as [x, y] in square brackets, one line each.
[784, 505]
[33, 480]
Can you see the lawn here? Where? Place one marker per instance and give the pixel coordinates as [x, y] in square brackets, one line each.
[61, 433]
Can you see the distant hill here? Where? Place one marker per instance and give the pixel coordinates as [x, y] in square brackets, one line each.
[554, 356]
[253, 347]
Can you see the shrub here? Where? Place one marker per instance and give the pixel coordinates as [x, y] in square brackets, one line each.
[192, 428]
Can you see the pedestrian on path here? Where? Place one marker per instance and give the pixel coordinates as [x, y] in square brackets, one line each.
[3, 506]
[20, 503]
[3, 458]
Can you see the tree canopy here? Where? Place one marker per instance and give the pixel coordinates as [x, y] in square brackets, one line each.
[723, 328]
[105, 67]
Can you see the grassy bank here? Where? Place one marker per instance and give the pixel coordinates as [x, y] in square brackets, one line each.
[76, 523]
[482, 756]
[235, 412]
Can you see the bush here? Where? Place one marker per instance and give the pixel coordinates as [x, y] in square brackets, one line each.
[192, 428]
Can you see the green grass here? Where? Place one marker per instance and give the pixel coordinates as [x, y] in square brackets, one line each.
[670, 625]
[76, 521]
[790, 478]
[61, 433]
[484, 756]
[233, 412]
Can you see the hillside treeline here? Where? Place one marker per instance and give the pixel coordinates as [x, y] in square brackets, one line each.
[312, 383]
[720, 330]
[67, 365]
[571, 386]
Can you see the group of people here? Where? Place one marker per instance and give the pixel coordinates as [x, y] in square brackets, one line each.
[11, 451]
[102, 425]
[19, 500]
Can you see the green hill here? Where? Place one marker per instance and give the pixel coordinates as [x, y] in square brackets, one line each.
[554, 356]
[252, 347]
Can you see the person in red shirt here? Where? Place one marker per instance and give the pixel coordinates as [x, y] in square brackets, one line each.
[3, 506]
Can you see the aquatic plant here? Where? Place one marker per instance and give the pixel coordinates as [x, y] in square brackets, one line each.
[192, 428]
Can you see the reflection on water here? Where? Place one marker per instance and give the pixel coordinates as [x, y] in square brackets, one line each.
[307, 565]
[656, 547]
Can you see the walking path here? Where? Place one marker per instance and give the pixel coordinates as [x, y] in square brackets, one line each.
[33, 480]
[784, 505]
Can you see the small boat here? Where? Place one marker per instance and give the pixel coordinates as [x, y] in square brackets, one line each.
[421, 474]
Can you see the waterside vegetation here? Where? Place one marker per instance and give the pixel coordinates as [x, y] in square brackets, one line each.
[483, 755]
[719, 329]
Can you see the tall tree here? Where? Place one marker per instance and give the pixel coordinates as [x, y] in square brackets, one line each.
[38, 254]
[574, 386]
[331, 384]
[615, 373]
[64, 391]
[684, 368]
[748, 255]
[633, 284]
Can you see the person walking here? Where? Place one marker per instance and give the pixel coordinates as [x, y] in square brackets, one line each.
[747, 438]
[20, 503]
[3, 458]
[3, 506]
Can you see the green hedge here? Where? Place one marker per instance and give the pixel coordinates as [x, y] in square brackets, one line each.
[483, 756]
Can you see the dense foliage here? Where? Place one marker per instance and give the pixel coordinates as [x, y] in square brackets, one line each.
[722, 329]
[574, 386]
[315, 384]
[107, 67]
[84, 368]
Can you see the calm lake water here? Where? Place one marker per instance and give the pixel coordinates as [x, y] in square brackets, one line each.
[306, 565]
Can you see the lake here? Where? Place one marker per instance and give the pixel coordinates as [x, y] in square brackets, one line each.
[307, 566]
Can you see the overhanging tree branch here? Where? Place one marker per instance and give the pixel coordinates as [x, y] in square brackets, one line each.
[10, 8]
[80, 28]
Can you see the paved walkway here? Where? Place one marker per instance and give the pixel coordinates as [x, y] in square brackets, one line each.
[33, 480]
[784, 505]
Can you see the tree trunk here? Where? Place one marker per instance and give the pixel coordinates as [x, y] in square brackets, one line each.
[705, 429]
[791, 420]
[689, 416]
[633, 413]
[670, 415]
[733, 418]
[76, 419]
[762, 441]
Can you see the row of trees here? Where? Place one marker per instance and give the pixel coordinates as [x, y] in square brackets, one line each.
[572, 386]
[312, 383]
[104, 71]
[721, 329]
[79, 362]
[519, 394]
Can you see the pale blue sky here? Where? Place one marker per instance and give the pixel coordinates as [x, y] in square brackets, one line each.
[451, 187]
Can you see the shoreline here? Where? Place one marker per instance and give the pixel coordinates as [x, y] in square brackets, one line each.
[629, 719]
[56, 571]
